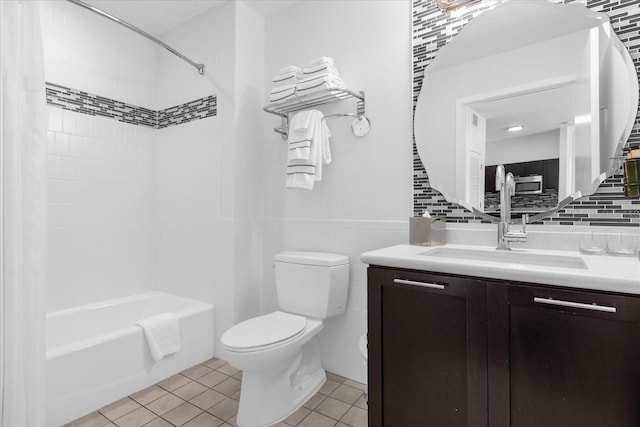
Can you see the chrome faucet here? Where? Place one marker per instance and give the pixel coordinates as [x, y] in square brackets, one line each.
[507, 187]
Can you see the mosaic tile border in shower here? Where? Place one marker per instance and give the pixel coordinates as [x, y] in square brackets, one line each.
[184, 113]
[432, 29]
[86, 103]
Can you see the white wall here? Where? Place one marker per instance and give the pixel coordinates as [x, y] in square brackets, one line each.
[100, 180]
[247, 148]
[365, 197]
[101, 172]
[194, 239]
[85, 51]
[219, 211]
[527, 148]
[209, 171]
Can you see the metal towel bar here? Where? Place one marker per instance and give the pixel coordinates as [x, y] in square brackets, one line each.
[298, 103]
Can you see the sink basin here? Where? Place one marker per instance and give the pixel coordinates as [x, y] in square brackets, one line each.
[508, 257]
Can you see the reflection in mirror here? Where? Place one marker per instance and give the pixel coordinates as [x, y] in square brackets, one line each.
[546, 89]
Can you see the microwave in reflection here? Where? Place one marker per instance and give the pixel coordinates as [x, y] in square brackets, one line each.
[531, 184]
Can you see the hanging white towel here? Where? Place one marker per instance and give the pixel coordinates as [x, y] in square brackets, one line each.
[326, 147]
[303, 173]
[301, 129]
[282, 93]
[162, 333]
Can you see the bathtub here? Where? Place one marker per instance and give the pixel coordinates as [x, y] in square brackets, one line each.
[96, 355]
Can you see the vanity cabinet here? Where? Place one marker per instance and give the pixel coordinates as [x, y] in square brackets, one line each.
[480, 352]
[427, 343]
[562, 357]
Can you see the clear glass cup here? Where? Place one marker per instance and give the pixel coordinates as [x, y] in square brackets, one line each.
[593, 243]
[622, 244]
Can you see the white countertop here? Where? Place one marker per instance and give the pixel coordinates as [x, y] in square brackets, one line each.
[603, 272]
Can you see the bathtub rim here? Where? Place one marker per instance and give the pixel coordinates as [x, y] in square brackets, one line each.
[194, 307]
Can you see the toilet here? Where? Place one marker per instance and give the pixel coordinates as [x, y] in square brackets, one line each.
[278, 353]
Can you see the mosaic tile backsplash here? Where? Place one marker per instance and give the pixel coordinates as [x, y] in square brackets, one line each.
[95, 105]
[432, 29]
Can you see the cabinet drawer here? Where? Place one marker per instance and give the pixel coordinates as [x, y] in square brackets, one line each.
[563, 358]
[427, 349]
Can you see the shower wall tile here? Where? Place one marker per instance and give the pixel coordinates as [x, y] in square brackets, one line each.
[184, 113]
[432, 29]
[194, 243]
[84, 50]
[76, 101]
[101, 186]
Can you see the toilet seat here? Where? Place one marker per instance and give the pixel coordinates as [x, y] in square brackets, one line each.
[264, 332]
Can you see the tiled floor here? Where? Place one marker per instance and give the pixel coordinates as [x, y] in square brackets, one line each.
[208, 394]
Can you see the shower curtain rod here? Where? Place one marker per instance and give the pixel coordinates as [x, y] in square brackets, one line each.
[199, 67]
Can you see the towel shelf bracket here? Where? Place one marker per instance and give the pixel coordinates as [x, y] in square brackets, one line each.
[360, 125]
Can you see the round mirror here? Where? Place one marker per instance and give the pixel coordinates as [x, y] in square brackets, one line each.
[545, 89]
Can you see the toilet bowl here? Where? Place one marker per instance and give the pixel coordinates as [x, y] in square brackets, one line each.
[279, 353]
[279, 373]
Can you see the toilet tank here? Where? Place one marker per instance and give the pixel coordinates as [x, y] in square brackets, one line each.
[312, 284]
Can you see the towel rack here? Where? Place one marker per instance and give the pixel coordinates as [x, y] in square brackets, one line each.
[283, 109]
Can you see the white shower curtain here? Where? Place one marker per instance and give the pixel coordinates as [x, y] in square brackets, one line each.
[23, 248]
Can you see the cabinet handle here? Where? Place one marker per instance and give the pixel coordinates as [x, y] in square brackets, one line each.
[414, 283]
[594, 307]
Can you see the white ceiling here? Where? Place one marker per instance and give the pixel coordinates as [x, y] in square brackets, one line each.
[537, 111]
[157, 17]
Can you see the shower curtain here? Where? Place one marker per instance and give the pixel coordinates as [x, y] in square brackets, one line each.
[23, 246]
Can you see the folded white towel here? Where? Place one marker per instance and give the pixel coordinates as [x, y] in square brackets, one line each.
[290, 77]
[162, 333]
[320, 70]
[302, 173]
[321, 60]
[315, 84]
[301, 130]
[282, 93]
[289, 68]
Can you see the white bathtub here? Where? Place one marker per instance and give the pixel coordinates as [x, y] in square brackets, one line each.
[95, 354]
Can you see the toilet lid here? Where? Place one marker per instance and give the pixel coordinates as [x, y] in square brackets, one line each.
[263, 331]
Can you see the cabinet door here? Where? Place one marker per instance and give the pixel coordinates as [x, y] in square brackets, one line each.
[427, 350]
[561, 358]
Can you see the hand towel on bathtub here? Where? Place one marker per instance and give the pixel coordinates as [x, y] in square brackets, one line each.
[162, 333]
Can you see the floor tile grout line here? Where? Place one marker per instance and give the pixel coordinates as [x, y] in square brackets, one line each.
[337, 379]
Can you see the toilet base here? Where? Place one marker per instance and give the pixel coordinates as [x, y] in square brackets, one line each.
[267, 398]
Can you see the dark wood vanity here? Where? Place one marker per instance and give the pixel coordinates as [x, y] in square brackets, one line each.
[448, 350]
